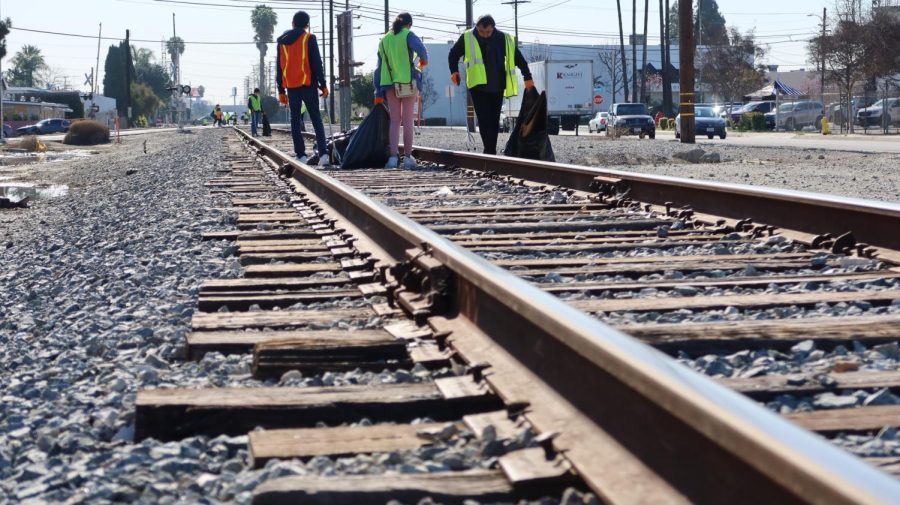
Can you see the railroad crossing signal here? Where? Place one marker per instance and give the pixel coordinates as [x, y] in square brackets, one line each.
[95, 108]
[598, 99]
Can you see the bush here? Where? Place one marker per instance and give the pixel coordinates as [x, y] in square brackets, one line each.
[752, 121]
[758, 120]
[32, 144]
[141, 121]
[87, 133]
[663, 123]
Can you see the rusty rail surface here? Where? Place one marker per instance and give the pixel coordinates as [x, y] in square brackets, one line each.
[635, 425]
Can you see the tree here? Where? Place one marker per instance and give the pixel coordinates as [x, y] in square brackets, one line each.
[882, 41]
[26, 67]
[263, 20]
[362, 89]
[709, 26]
[175, 48]
[843, 53]
[144, 101]
[429, 92]
[5, 25]
[114, 76]
[154, 76]
[734, 69]
[611, 61]
[622, 50]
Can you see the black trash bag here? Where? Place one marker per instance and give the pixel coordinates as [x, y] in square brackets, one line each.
[267, 128]
[337, 145]
[369, 146]
[529, 138]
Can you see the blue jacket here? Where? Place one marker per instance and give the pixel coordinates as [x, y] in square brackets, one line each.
[315, 59]
[415, 45]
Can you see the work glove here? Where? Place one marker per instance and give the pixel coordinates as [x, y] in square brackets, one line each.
[529, 84]
[454, 78]
[324, 91]
[282, 99]
[378, 100]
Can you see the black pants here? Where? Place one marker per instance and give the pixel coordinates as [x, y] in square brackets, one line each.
[487, 110]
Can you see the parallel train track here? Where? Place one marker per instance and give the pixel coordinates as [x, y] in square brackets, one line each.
[608, 413]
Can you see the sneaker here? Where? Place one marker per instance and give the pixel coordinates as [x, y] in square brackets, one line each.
[393, 162]
[302, 159]
[409, 162]
[313, 160]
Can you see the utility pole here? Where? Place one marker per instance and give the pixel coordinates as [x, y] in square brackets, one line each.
[634, 93]
[128, 78]
[515, 4]
[686, 62]
[644, 57]
[331, 57]
[662, 55]
[387, 16]
[667, 75]
[96, 87]
[822, 55]
[470, 106]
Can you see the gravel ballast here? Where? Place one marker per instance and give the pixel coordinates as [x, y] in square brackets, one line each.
[845, 173]
[97, 291]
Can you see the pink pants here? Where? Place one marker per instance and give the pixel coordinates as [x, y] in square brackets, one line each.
[401, 108]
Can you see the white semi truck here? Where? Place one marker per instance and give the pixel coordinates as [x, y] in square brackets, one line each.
[570, 91]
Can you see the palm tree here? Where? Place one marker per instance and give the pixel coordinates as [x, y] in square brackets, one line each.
[263, 20]
[644, 60]
[25, 65]
[142, 57]
[175, 48]
[622, 51]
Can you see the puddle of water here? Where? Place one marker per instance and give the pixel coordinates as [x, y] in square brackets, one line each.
[17, 191]
[22, 158]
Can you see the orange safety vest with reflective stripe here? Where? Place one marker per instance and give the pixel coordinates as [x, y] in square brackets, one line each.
[295, 69]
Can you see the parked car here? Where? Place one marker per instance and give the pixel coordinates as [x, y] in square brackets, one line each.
[872, 115]
[796, 115]
[706, 122]
[7, 131]
[598, 122]
[45, 126]
[761, 107]
[631, 119]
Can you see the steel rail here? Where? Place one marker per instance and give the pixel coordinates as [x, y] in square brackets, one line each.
[708, 443]
[875, 223]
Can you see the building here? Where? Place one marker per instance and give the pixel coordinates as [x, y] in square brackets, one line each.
[25, 106]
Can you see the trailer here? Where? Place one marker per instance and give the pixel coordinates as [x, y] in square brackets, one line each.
[570, 89]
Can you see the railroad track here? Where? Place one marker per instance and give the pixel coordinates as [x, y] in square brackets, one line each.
[517, 347]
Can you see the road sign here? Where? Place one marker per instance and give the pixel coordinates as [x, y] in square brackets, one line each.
[598, 99]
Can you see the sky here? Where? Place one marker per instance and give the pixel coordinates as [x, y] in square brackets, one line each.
[219, 37]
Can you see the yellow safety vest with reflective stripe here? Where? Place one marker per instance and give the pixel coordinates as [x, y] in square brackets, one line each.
[394, 52]
[254, 103]
[476, 73]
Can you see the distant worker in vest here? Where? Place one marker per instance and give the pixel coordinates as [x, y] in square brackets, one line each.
[254, 105]
[300, 72]
[399, 80]
[217, 114]
[490, 57]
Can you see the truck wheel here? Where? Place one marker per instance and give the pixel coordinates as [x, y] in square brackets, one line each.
[677, 135]
[710, 136]
[652, 135]
[722, 136]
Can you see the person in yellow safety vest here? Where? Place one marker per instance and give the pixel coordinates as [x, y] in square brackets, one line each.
[217, 114]
[396, 68]
[490, 57]
[254, 105]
